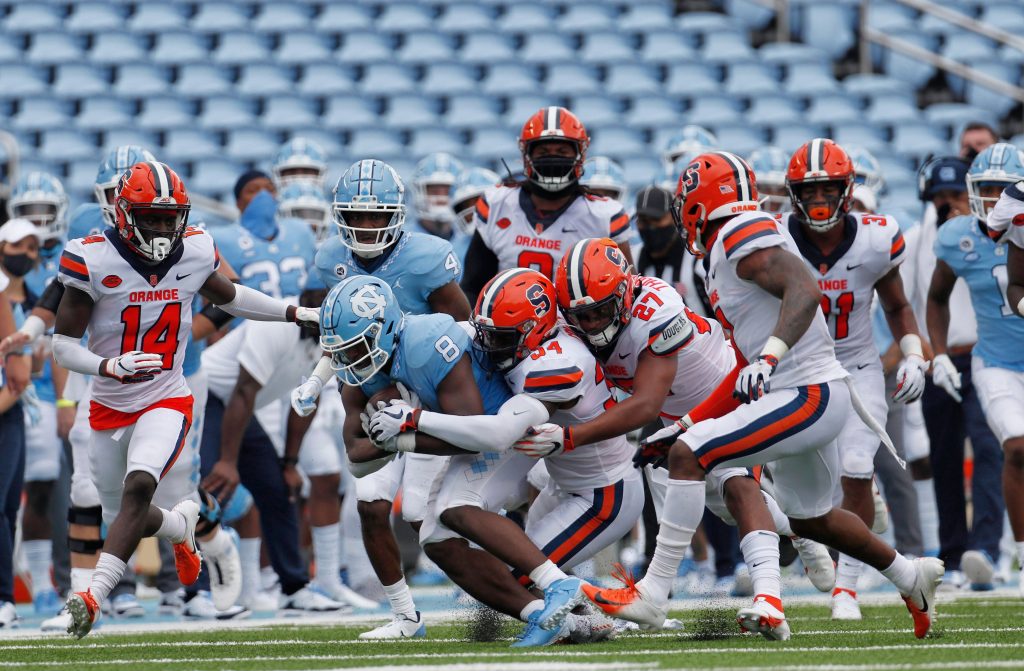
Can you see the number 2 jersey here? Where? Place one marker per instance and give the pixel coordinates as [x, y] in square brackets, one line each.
[662, 326]
[871, 247]
[139, 307]
[750, 312]
[561, 371]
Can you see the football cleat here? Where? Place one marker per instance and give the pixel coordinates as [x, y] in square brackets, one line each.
[60, 622]
[201, 607]
[400, 626]
[591, 626]
[979, 570]
[187, 559]
[765, 617]
[559, 599]
[628, 603]
[126, 605]
[47, 602]
[346, 595]
[309, 601]
[171, 603]
[921, 600]
[818, 564]
[535, 636]
[84, 613]
[844, 605]
[225, 568]
[8, 615]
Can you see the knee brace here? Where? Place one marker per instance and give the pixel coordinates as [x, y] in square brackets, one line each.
[209, 513]
[237, 505]
[86, 517]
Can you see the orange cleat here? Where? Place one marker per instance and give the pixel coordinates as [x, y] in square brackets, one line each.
[765, 617]
[921, 600]
[628, 603]
[187, 559]
[84, 611]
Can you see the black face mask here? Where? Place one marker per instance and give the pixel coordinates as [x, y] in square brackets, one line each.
[942, 213]
[18, 265]
[553, 166]
[658, 239]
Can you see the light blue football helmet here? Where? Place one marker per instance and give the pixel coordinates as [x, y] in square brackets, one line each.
[468, 186]
[359, 324]
[40, 198]
[604, 174]
[305, 200]
[691, 139]
[299, 159]
[1001, 164]
[770, 164]
[437, 169]
[111, 168]
[369, 187]
[866, 168]
[670, 175]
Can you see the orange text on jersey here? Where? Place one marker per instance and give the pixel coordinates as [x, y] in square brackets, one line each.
[832, 285]
[155, 295]
[527, 241]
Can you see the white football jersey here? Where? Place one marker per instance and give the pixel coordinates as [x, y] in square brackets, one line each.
[872, 247]
[663, 325]
[1007, 217]
[511, 227]
[561, 371]
[139, 307]
[750, 313]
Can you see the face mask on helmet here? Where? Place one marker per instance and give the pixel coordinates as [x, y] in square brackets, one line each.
[358, 359]
[598, 322]
[370, 230]
[501, 345]
[555, 174]
[156, 231]
[822, 204]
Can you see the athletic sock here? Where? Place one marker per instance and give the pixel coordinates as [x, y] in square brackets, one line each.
[400, 599]
[929, 514]
[848, 571]
[902, 574]
[249, 555]
[109, 570]
[681, 514]
[81, 578]
[1020, 552]
[761, 553]
[530, 608]
[173, 527]
[545, 574]
[326, 550]
[39, 556]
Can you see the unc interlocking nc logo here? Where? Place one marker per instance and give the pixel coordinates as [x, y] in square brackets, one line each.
[368, 303]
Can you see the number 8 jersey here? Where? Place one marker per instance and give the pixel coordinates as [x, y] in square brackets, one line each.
[139, 307]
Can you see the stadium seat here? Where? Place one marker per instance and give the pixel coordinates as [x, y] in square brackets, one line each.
[215, 176]
[157, 17]
[870, 85]
[917, 140]
[329, 140]
[740, 138]
[282, 17]
[164, 112]
[80, 179]
[466, 18]
[495, 143]
[829, 27]
[753, 15]
[426, 47]
[180, 48]
[403, 17]
[773, 110]
[102, 112]
[387, 79]
[54, 48]
[648, 111]
[641, 170]
[546, 48]
[616, 141]
[374, 142]
[1008, 16]
[113, 48]
[709, 110]
[264, 80]
[643, 17]
[808, 79]
[527, 18]
[522, 107]
[596, 110]
[21, 80]
[890, 15]
[726, 48]
[302, 48]
[703, 23]
[986, 98]
[10, 51]
[781, 55]
[41, 113]
[223, 112]
[359, 47]
[958, 114]
[185, 145]
[30, 17]
[607, 47]
[854, 133]
[449, 79]
[218, 17]
[138, 80]
[750, 79]
[344, 17]
[66, 145]
[507, 79]
[472, 111]
[631, 79]
[284, 111]
[789, 137]
[240, 48]
[78, 80]
[426, 140]
[888, 111]
[691, 80]
[588, 18]
[966, 46]
[572, 79]
[95, 17]
[202, 80]
[350, 111]
[834, 108]
[487, 48]
[910, 70]
[325, 79]
[115, 137]
[666, 46]
[412, 110]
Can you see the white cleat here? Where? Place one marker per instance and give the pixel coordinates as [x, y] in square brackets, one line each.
[308, 601]
[921, 600]
[401, 626]
[9, 615]
[59, 623]
[592, 626]
[818, 564]
[845, 606]
[628, 603]
[201, 607]
[225, 568]
[765, 619]
[978, 569]
[344, 594]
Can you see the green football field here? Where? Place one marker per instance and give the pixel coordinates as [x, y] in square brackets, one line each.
[970, 634]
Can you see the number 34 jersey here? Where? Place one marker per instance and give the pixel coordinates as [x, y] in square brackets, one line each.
[872, 246]
[139, 307]
[661, 325]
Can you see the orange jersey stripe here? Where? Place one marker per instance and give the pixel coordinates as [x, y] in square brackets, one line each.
[748, 231]
[619, 224]
[898, 245]
[65, 262]
[483, 210]
[551, 380]
[584, 531]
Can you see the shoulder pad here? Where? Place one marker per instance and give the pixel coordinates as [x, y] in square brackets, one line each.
[747, 233]
[93, 239]
[671, 336]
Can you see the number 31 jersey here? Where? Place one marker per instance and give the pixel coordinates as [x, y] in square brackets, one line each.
[139, 307]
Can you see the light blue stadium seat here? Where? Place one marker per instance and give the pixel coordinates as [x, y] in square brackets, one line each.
[161, 112]
[302, 48]
[54, 49]
[283, 17]
[789, 137]
[545, 48]
[374, 142]
[596, 110]
[691, 80]
[219, 17]
[179, 48]
[426, 46]
[648, 110]
[753, 15]
[867, 135]
[703, 23]
[587, 18]
[412, 110]
[402, 17]
[79, 80]
[710, 109]
[264, 79]
[1007, 15]
[773, 110]
[617, 141]
[607, 47]
[325, 79]
[918, 140]
[809, 79]
[227, 112]
[527, 18]
[116, 137]
[965, 46]
[157, 17]
[66, 145]
[112, 48]
[511, 79]
[29, 17]
[449, 79]
[782, 55]
[834, 108]
[329, 140]
[365, 47]
[81, 178]
[666, 46]
[465, 18]
[189, 144]
[955, 115]
[18, 80]
[829, 27]
[486, 48]
[284, 111]
[10, 50]
[892, 110]
[426, 140]
[95, 17]
[240, 48]
[343, 17]
[910, 70]
[630, 79]
[641, 170]
[387, 79]
[750, 79]
[202, 80]
[102, 112]
[871, 85]
[986, 98]
[350, 111]
[741, 138]
[939, 26]
[42, 113]
[572, 79]
[641, 17]
[890, 15]
[726, 48]
[472, 111]
[215, 176]
[522, 107]
[138, 80]
[491, 144]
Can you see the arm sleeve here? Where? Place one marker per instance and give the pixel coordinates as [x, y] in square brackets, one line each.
[480, 266]
[898, 247]
[69, 353]
[50, 299]
[486, 433]
[251, 304]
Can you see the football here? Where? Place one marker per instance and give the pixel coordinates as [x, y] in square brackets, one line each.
[387, 394]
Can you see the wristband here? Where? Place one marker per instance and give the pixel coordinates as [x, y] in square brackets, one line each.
[289, 461]
[568, 442]
[910, 344]
[65, 403]
[406, 442]
[775, 347]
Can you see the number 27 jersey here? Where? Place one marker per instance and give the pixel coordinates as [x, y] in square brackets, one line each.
[139, 307]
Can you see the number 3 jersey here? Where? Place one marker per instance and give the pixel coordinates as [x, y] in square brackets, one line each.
[750, 312]
[661, 325]
[139, 307]
[872, 246]
[564, 371]
[521, 237]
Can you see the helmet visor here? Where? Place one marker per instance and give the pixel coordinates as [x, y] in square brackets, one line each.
[598, 322]
[501, 344]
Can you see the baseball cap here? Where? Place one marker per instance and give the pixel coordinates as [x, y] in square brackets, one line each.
[653, 201]
[944, 173]
[18, 229]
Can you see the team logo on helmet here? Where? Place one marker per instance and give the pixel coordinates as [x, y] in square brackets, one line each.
[368, 303]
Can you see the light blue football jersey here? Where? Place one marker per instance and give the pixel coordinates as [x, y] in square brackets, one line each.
[415, 266]
[458, 240]
[86, 220]
[428, 348]
[982, 263]
[276, 267]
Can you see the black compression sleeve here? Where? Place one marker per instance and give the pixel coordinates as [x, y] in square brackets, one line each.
[52, 294]
[216, 315]
[481, 265]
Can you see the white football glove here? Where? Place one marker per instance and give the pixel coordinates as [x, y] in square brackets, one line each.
[308, 317]
[945, 375]
[395, 418]
[305, 395]
[910, 379]
[408, 395]
[132, 367]
[545, 440]
[753, 381]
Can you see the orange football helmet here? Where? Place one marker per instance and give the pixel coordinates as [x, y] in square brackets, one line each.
[514, 313]
[595, 287]
[151, 210]
[554, 173]
[820, 160]
[714, 186]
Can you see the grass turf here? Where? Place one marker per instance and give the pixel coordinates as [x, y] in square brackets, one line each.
[970, 634]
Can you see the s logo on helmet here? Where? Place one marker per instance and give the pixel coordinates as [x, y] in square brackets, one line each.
[613, 255]
[691, 178]
[539, 300]
[368, 303]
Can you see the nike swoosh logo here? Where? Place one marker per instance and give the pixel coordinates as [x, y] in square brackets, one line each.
[623, 356]
[862, 366]
[856, 265]
[601, 600]
[181, 277]
[397, 414]
[924, 601]
[518, 412]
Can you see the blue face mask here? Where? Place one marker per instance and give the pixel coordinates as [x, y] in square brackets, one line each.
[260, 216]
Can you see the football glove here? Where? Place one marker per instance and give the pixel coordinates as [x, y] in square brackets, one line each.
[753, 381]
[305, 395]
[307, 317]
[945, 375]
[910, 379]
[395, 418]
[546, 440]
[654, 448]
[132, 367]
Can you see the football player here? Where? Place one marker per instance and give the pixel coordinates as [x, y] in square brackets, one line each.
[605, 177]
[299, 160]
[305, 200]
[770, 165]
[432, 183]
[467, 189]
[688, 141]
